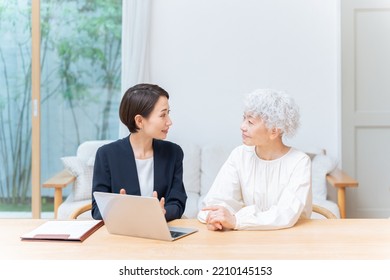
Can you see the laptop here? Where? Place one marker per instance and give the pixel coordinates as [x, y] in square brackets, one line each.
[137, 216]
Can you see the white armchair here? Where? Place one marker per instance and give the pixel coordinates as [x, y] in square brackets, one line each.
[78, 170]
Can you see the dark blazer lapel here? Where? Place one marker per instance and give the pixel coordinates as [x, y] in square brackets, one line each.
[134, 188]
[158, 166]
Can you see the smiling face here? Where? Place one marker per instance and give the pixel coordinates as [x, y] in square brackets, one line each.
[157, 124]
[254, 131]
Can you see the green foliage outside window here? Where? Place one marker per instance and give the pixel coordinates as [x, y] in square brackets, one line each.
[81, 66]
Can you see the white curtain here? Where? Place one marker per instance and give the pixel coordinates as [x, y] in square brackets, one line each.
[135, 44]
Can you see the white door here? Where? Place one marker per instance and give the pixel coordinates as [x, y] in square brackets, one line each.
[365, 37]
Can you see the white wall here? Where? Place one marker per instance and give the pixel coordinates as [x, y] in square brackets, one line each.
[208, 53]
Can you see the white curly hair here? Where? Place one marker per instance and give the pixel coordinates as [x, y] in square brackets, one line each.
[275, 108]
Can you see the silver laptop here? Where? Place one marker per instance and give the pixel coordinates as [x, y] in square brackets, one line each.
[137, 216]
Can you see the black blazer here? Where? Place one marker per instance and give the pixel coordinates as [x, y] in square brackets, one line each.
[115, 168]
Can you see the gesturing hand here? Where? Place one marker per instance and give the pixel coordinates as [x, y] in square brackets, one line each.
[162, 202]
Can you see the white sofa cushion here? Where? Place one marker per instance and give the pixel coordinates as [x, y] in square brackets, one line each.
[328, 204]
[70, 205]
[191, 210]
[82, 187]
[191, 178]
[81, 166]
[191, 167]
[87, 150]
[212, 159]
[321, 165]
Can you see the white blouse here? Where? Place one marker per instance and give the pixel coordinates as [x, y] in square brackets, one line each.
[262, 194]
[145, 173]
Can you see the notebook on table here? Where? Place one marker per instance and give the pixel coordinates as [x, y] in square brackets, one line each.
[137, 216]
[68, 230]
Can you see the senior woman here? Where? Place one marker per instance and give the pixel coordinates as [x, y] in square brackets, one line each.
[264, 184]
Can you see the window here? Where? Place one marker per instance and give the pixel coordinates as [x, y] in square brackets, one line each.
[80, 60]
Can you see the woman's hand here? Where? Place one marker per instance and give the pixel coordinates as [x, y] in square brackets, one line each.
[162, 202]
[219, 218]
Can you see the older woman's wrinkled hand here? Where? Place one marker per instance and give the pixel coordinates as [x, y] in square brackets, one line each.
[219, 218]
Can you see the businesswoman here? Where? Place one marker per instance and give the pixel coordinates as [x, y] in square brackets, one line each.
[143, 163]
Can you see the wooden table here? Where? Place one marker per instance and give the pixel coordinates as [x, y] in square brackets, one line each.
[337, 239]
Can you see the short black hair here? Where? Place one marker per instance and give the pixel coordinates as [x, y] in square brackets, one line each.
[139, 100]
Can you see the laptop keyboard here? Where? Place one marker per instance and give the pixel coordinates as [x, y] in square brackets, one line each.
[175, 234]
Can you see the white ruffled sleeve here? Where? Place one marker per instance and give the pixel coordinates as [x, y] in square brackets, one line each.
[225, 190]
